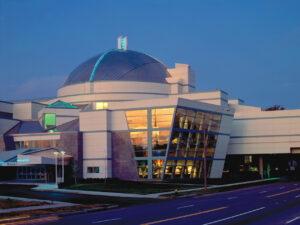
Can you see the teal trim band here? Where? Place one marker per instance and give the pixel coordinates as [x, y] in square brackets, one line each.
[98, 62]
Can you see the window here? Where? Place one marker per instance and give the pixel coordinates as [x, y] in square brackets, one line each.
[101, 105]
[157, 168]
[37, 144]
[142, 166]
[139, 143]
[49, 120]
[137, 119]
[160, 140]
[162, 118]
[93, 169]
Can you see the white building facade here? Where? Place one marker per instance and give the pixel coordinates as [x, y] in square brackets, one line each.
[124, 114]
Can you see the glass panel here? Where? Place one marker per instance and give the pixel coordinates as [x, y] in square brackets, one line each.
[179, 118]
[139, 143]
[157, 168]
[170, 169]
[142, 166]
[179, 168]
[160, 140]
[49, 120]
[137, 119]
[162, 118]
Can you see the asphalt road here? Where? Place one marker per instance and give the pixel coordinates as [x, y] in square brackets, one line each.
[277, 203]
[26, 192]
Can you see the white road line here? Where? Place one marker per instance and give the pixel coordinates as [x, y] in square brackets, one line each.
[262, 192]
[232, 198]
[298, 217]
[282, 187]
[254, 210]
[186, 206]
[295, 184]
[102, 221]
[297, 196]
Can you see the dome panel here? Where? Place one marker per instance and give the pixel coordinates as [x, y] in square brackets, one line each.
[119, 65]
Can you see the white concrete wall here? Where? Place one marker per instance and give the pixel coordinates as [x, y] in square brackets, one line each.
[264, 132]
[7, 124]
[6, 107]
[35, 108]
[94, 120]
[22, 111]
[97, 151]
[217, 97]
[184, 75]
[104, 168]
[221, 147]
[35, 137]
[112, 91]
[118, 121]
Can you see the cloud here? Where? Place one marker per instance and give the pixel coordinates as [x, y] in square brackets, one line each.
[33, 89]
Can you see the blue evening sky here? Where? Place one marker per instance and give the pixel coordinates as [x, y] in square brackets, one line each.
[250, 49]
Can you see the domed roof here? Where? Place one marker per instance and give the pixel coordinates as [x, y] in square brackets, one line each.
[119, 65]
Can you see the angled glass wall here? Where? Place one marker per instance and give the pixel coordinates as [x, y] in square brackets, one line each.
[150, 134]
[192, 129]
[168, 146]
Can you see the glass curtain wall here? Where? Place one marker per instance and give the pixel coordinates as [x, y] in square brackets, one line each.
[150, 133]
[186, 150]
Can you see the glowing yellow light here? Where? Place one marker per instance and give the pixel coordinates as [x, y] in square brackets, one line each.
[101, 105]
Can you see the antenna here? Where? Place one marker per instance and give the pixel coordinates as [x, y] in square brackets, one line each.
[122, 43]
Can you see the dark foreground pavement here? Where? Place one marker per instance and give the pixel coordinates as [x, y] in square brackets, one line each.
[277, 203]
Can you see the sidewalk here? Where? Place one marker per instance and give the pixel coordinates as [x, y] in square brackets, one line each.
[128, 195]
[53, 204]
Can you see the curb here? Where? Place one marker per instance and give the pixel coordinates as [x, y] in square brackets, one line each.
[61, 214]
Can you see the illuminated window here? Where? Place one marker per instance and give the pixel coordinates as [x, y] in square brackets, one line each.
[139, 143]
[160, 140]
[157, 168]
[137, 119]
[101, 105]
[162, 118]
[142, 166]
[49, 120]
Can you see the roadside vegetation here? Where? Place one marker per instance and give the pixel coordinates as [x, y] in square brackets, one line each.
[40, 212]
[10, 203]
[134, 187]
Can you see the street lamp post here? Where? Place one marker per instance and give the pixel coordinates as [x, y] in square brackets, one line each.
[63, 166]
[204, 145]
[56, 153]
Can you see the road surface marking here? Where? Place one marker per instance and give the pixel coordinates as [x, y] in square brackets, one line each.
[282, 187]
[217, 221]
[188, 215]
[282, 193]
[187, 206]
[298, 217]
[297, 196]
[232, 198]
[295, 184]
[262, 192]
[102, 221]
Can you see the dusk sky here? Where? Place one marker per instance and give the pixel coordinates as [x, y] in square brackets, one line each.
[249, 49]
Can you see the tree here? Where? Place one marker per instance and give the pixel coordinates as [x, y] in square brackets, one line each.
[274, 108]
[75, 170]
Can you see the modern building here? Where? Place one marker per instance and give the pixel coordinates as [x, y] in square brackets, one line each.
[124, 114]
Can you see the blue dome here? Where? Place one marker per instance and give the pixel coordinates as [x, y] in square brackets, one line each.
[117, 65]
